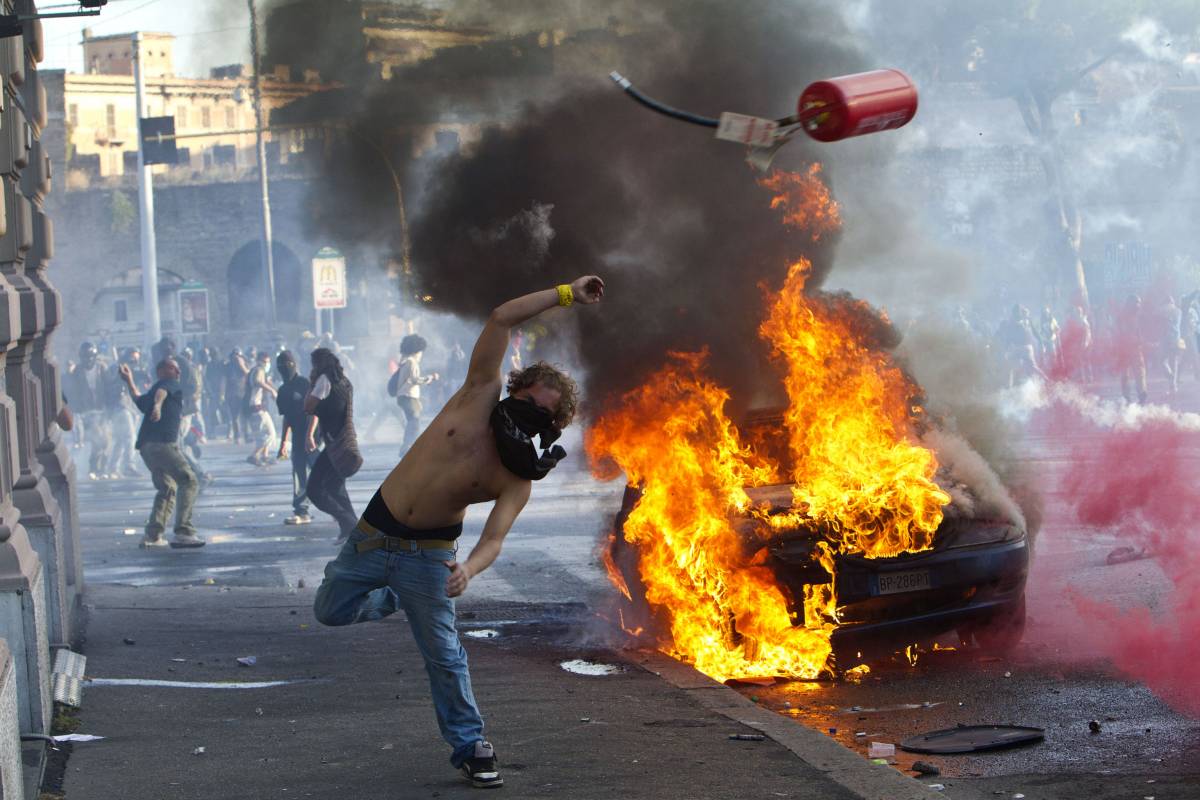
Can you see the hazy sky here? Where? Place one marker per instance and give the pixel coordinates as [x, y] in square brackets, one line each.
[207, 37]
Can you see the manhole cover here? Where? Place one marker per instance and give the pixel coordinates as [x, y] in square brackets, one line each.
[972, 738]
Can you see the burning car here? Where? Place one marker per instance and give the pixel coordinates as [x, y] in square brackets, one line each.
[971, 580]
[845, 522]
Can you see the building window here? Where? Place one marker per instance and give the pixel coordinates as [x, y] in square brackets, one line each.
[110, 117]
[181, 117]
[206, 117]
[230, 118]
[120, 311]
[73, 115]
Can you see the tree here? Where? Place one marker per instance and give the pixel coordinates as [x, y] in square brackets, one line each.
[1035, 53]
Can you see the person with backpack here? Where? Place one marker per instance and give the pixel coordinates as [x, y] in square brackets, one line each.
[331, 402]
[405, 385]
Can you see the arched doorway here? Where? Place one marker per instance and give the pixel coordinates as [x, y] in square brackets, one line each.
[248, 287]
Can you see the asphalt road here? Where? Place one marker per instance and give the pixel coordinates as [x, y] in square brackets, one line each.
[1144, 749]
[1056, 680]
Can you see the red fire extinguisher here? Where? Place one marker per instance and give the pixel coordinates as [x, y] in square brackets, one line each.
[852, 105]
[828, 110]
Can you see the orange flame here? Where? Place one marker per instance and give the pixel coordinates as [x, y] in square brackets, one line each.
[859, 480]
[805, 200]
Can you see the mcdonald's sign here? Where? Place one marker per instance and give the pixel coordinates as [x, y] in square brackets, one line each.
[329, 279]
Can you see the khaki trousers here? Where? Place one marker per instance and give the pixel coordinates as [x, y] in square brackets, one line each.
[177, 487]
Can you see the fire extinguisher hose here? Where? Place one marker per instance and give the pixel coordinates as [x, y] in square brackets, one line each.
[662, 108]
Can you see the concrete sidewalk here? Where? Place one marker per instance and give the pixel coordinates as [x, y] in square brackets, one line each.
[354, 719]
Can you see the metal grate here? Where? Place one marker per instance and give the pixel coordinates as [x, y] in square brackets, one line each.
[68, 690]
[68, 675]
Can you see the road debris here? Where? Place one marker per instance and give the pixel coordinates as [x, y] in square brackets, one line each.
[925, 768]
[881, 750]
[937, 787]
[129, 641]
[130, 531]
[747, 737]
[972, 739]
[578, 666]
[76, 737]
[1094, 726]
[483, 633]
[199, 751]
[898, 707]
[1125, 554]
[750, 682]
[248, 661]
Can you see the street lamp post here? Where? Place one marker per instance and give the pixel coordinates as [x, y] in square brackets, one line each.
[152, 326]
[268, 256]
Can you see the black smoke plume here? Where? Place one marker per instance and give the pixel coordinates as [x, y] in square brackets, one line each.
[571, 177]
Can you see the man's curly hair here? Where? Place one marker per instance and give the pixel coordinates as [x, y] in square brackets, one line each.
[549, 375]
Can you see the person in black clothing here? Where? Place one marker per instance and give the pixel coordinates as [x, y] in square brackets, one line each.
[236, 369]
[332, 402]
[158, 442]
[290, 402]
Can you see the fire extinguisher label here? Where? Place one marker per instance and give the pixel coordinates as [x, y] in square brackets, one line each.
[882, 122]
[753, 131]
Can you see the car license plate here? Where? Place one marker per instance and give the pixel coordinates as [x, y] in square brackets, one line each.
[897, 582]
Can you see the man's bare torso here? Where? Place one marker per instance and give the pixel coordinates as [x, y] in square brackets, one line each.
[453, 464]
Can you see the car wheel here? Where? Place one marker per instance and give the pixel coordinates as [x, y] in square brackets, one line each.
[1001, 634]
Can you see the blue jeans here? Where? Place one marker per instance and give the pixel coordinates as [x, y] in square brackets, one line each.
[360, 587]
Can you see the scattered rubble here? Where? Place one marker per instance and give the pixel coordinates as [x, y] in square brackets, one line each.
[483, 633]
[1125, 554]
[580, 667]
[972, 739]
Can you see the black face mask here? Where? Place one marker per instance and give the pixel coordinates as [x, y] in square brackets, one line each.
[514, 424]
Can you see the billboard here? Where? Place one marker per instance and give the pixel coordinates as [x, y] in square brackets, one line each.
[193, 311]
[329, 279]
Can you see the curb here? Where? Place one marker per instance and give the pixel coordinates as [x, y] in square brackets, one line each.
[841, 765]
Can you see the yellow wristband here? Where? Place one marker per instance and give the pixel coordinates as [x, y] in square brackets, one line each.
[565, 295]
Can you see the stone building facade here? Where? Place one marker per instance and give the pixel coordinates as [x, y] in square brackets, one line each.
[40, 572]
[98, 135]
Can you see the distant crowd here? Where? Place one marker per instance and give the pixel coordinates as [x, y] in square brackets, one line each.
[1129, 340]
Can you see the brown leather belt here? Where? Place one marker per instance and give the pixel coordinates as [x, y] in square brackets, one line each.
[377, 541]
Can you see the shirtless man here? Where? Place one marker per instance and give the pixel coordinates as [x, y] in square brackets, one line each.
[479, 448]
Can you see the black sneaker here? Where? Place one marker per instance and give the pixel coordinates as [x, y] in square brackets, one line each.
[481, 767]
